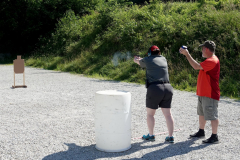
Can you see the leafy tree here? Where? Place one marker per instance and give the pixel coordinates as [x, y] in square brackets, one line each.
[23, 22]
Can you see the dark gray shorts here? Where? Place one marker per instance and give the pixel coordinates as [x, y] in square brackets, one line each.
[159, 95]
[208, 108]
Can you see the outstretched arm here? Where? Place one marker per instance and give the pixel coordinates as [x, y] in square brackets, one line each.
[192, 62]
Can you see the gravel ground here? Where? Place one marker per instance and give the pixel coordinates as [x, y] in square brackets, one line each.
[53, 118]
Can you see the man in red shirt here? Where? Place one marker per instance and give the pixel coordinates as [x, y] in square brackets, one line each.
[207, 89]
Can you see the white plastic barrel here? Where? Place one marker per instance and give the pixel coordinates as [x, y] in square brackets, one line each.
[113, 120]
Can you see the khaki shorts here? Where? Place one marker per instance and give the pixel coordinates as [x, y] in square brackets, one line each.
[208, 108]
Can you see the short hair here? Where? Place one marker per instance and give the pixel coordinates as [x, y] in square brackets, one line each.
[156, 52]
[212, 50]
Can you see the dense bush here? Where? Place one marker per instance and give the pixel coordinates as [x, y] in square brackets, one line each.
[87, 44]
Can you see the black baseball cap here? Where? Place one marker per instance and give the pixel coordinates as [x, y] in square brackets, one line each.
[209, 44]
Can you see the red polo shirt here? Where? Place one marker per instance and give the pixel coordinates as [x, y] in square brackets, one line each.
[208, 78]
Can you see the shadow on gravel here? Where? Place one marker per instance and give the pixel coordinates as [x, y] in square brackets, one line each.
[172, 150]
[89, 152]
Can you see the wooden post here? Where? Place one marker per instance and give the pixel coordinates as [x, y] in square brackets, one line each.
[24, 78]
[14, 78]
[19, 68]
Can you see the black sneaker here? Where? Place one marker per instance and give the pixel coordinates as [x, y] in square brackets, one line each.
[213, 140]
[198, 135]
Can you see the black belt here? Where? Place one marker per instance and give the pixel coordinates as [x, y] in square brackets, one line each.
[159, 82]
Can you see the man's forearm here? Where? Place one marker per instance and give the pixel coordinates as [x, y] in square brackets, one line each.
[193, 63]
[137, 59]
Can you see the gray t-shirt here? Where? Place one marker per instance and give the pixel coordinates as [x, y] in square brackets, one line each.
[157, 68]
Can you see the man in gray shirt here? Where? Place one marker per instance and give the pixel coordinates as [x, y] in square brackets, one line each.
[159, 91]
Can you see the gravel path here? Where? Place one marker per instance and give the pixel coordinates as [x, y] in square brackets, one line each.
[53, 119]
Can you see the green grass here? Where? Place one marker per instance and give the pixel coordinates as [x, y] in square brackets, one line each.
[86, 45]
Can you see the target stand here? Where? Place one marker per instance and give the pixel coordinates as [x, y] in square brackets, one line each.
[18, 69]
